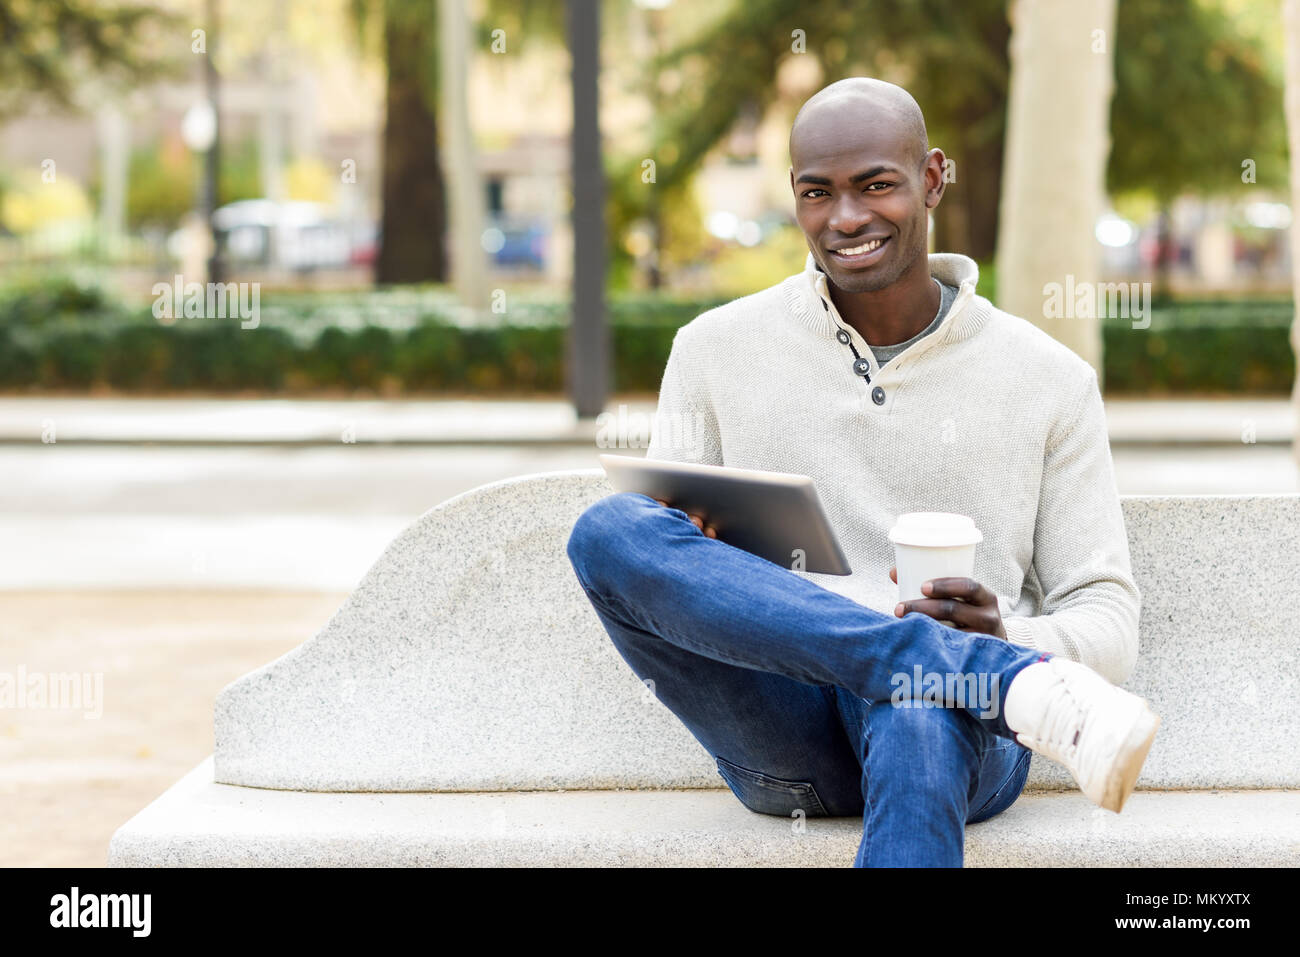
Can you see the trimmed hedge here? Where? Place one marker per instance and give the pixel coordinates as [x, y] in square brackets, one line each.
[63, 336]
[430, 358]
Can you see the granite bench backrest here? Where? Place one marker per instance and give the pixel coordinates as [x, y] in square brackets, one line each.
[469, 659]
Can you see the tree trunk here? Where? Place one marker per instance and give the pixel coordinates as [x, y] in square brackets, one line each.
[412, 235]
[1053, 180]
[983, 182]
[987, 152]
[468, 199]
[952, 217]
[967, 220]
[1291, 28]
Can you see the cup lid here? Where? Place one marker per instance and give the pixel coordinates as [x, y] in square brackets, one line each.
[935, 529]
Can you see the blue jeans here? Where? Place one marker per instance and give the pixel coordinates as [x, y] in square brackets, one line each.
[804, 697]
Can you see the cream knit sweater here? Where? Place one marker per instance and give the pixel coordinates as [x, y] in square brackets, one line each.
[987, 416]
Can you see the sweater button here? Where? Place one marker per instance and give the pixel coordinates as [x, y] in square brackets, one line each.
[878, 395]
[842, 336]
[862, 367]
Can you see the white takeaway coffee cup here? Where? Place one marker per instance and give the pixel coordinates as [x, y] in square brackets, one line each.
[932, 545]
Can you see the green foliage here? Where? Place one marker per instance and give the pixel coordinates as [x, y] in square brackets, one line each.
[49, 48]
[160, 185]
[30, 302]
[1198, 359]
[62, 334]
[17, 363]
[1194, 97]
[738, 271]
[987, 285]
[524, 25]
[163, 180]
[726, 67]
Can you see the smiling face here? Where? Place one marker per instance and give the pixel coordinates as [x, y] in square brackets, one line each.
[863, 184]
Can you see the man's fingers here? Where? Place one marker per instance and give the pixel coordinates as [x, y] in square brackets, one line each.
[696, 520]
[703, 526]
[960, 615]
[941, 609]
[954, 610]
[893, 575]
[967, 589]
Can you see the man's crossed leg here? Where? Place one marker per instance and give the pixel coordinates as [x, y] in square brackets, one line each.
[716, 634]
[770, 672]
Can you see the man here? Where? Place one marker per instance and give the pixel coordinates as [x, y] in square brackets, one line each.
[879, 372]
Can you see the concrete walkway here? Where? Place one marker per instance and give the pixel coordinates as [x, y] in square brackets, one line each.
[269, 494]
[473, 421]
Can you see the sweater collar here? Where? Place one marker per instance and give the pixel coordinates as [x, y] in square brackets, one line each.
[808, 296]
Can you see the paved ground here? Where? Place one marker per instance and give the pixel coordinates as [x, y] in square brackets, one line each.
[67, 781]
[75, 516]
[434, 421]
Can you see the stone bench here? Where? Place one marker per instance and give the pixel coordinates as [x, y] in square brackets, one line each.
[465, 706]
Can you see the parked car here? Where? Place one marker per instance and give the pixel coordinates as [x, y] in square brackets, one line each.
[299, 236]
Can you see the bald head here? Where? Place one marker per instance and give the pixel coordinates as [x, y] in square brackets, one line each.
[863, 174]
[856, 103]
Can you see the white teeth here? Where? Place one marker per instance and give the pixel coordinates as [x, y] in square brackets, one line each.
[858, 250]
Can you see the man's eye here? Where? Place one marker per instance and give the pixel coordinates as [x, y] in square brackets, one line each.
[808, 195]
[884, 185]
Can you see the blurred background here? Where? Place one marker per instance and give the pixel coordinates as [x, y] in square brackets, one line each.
[276, 277]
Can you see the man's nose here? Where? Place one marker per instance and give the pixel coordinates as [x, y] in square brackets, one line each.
[849, 214]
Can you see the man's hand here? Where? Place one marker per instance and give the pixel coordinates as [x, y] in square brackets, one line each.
[963, 601]
[697, 520]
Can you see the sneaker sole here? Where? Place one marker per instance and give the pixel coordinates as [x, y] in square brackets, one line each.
[1137, 744]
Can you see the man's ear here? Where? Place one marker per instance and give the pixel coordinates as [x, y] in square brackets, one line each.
[791, 179]
[935, 162]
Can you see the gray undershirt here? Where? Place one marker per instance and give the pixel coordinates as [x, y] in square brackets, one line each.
[947, 294]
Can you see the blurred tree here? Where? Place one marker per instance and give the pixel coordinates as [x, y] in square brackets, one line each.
[731, 67]
[1195, 97]
[537, 23]
[1054, 176]
[940, 40]
[52, 48]
[1291, 105]
[161, 183]
[309, 179]
[30, 204]
[541, 23]
[412, 239]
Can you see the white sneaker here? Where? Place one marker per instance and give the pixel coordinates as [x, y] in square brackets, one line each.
[1066, 711]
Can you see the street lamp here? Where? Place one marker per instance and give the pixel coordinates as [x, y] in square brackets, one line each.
[200, 129]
